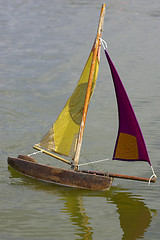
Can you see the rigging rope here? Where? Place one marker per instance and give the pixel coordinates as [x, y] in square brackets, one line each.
[153, 175]
[102, 160]
[34, 153]
[104, 44]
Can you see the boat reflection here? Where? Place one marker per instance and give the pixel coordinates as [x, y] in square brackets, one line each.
[134, 216]
[78, 216]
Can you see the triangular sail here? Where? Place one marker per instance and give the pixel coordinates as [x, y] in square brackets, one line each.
[62, 137]
[65, 136]
[130, 145]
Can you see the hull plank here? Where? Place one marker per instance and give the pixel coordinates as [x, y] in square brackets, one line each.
[28, 166]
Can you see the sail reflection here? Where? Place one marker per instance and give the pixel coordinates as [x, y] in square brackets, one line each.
[134, 216]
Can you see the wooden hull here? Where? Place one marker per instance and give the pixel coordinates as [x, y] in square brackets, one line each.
[79, 179]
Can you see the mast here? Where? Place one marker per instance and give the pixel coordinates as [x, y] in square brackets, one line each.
[88, 93]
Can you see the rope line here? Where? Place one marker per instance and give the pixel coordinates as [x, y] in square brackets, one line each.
[34, 153]
[104, 44]
[102, 160]
[153, 175]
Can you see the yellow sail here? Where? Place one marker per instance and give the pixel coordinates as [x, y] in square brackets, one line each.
[62, 137]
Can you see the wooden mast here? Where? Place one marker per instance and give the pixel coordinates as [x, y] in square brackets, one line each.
[89, 87]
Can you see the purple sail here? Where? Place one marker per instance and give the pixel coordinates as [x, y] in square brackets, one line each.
[130, 145]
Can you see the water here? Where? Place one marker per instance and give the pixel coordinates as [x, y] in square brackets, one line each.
[44, 46]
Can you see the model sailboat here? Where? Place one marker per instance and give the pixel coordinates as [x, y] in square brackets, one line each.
[65, 136]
